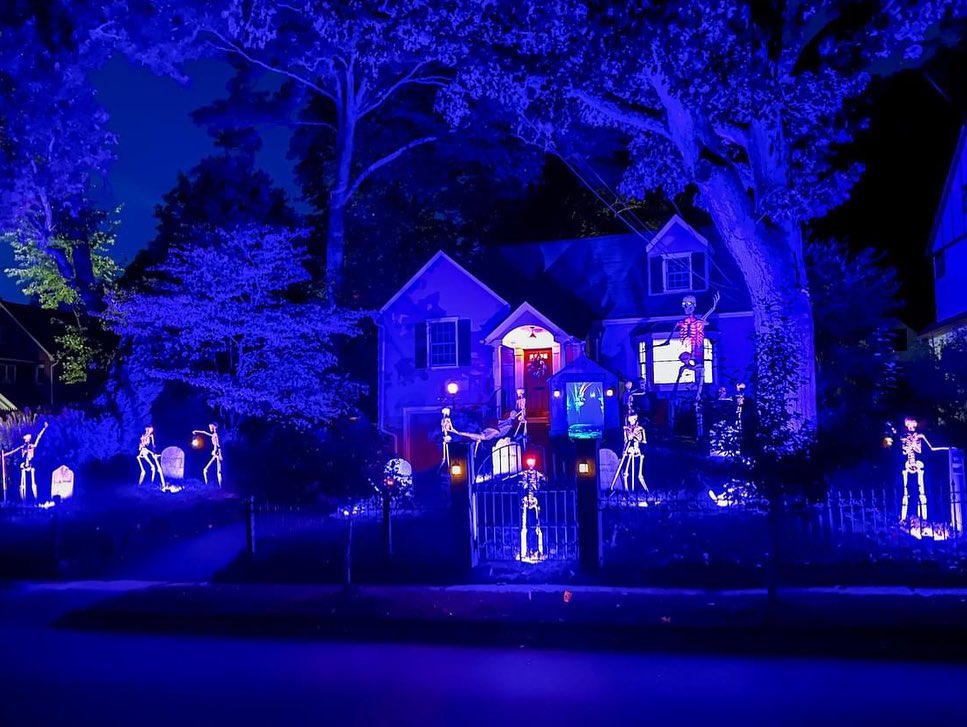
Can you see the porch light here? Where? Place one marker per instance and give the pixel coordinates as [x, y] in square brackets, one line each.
[453, 388]
[584, 467]
[456, 470]
[557, 393]
[609, 392]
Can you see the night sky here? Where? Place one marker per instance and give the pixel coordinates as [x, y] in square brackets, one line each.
[906, 149]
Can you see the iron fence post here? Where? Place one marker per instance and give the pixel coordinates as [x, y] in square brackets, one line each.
[250, 524]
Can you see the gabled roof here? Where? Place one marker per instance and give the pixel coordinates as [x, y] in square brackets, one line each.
[440, 255]
[35, 322]
[525, 314]
[584, 366]
[673, 222]
[955, 184]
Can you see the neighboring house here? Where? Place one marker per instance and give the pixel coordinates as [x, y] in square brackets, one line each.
[27, 364]
[543, 305]
[948, 251]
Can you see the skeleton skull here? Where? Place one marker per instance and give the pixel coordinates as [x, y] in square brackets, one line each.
[688, 304]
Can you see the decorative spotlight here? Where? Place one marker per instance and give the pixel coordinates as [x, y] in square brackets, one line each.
[531, 462]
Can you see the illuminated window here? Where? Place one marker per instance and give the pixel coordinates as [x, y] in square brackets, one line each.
[665, 362]
[643, 360]
[441, 342]
[678, 272]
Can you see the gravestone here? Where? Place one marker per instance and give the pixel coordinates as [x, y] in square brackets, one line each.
[506, 458]
[62, 483]
[173, 463]
[607, 468]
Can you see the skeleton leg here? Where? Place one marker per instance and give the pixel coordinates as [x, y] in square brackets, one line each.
[204, 472]
[626, 472]
[141, 466]
[147, 459]
[218, 470]
[23, 486]
[922, 508]
[523, 530]
[905, 502]
[33, 485]
[540, 535]
[617, 471]
[161, 472]
[641, 472]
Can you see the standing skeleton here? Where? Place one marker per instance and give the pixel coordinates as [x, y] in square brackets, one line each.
[28, 449]
[146, 453]
[216, 457]
[690, 332]
[531, 481]
[520, 411]
[632, 458]
[446, 428]
[911, 445]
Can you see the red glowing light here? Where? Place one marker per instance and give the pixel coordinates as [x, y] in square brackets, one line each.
[531, 461]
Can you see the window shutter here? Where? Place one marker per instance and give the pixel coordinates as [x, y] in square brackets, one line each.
[698, 271]
[419, 350]
[657, 277]
[463, 342]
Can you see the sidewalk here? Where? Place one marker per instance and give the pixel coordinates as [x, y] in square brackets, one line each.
[852, 622]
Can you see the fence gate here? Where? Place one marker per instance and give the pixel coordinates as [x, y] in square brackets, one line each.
[513, 525]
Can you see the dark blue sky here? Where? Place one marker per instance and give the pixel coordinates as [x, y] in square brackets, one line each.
[156, 140]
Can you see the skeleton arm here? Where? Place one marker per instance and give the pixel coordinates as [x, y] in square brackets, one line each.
[931, 447]
[13, 451]
[199, 431]
[41, 434]
[715, 302]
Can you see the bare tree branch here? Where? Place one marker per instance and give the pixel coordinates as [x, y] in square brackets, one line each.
[383, 161]
[643, 119]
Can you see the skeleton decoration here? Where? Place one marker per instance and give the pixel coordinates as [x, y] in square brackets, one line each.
[690, 332]
[520, 413]
[26, 451]
[216, 458]
[147, 454]
[446, 428]
[530, 514]
[631, 466]
[911, 444]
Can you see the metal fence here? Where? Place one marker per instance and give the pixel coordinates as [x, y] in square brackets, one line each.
[510, 528]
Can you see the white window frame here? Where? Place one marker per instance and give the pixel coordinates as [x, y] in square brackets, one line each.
[667, 358]
[8, 373]
[687, 256]
[644, 359]
[455, 321]
[40, 373]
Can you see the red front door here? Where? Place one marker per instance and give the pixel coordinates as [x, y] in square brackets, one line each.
[537, 370]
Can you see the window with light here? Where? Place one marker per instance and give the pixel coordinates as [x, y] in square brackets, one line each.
[678, 272]
[665, 362]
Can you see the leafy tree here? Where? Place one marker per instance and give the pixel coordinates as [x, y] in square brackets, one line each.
[232, 316]
[82, 344]
[347, 70]
[855, 304]
[742, 102]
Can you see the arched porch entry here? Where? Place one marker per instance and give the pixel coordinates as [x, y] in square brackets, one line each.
[529, 349]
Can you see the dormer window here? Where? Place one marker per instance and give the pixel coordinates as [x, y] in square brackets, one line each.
[680, 272]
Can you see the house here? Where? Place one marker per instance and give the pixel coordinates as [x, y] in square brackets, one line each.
[27, 364]
[530, 313]
[948, 251]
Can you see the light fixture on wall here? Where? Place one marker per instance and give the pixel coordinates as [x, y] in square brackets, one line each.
[533, 332]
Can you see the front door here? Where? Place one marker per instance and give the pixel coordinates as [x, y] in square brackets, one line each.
[537, 371]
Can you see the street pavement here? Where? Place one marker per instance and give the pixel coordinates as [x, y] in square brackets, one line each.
[54, 674]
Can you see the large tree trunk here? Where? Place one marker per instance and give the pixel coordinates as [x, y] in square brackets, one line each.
[339, 197]
[772, 264]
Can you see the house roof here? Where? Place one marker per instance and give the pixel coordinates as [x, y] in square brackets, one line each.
[583, 366]
[958, 168]
[440, 255]
[524, 314]
[36, 322]
[945, 326]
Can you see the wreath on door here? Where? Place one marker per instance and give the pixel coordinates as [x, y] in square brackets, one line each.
[537, 368]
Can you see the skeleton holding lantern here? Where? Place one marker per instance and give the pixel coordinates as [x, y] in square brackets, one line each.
[911, 444]
[631, 467]
[216, 458]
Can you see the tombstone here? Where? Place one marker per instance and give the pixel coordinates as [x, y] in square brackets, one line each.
[62, 483]
[506, 457]
[607, 468]
[173, 463]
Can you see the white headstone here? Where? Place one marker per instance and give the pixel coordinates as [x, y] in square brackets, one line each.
[607, 467]
[62, 483]
[506, 457]
[173, 463]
